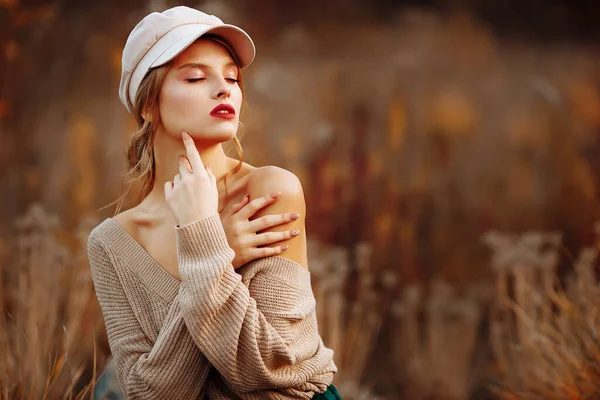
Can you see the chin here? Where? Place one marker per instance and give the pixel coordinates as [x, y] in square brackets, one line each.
[224, 137]
[216, 135]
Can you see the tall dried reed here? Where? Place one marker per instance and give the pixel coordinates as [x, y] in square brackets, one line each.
[49, 314]
[542, 340]
[544, 334]
[349, 324]
[435, 341]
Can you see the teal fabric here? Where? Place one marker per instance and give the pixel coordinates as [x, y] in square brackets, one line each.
[107, 385]
[330, 394]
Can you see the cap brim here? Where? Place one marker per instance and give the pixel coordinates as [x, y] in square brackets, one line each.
[240, 43]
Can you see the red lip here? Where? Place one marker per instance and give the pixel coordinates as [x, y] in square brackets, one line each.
[228, 114]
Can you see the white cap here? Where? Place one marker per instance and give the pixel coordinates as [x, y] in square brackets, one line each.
[160, 37]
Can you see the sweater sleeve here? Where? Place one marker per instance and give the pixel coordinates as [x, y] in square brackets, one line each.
[167, 368]
[258, 329]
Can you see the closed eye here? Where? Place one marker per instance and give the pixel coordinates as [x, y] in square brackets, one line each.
[232, 80]
[195, 79]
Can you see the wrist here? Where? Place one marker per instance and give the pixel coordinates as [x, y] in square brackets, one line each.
[204, 238]
[190, 220]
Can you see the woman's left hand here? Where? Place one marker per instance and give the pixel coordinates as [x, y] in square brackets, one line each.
[243, 234]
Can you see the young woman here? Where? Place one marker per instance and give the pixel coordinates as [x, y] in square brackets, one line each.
[195, 304]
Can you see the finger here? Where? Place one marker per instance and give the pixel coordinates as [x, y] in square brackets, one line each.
[168, 188]
[274, 237]
[176, 179]
[184, 166]
[210, 172]
[269, 221]
[267, 251]
[257, 204]
[192, 154]
[238, 206]
[234, 208]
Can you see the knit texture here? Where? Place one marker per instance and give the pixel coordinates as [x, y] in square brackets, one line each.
[220, 333]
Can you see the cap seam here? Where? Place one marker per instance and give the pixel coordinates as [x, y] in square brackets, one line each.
[168, 48]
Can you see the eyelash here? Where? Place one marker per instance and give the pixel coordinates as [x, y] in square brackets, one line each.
[231, 80]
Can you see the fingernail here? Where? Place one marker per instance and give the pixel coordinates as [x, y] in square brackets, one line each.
[295, 233]
[275, 195]
[185, 135]
[284, 247]
[294, 216]
[247, 196]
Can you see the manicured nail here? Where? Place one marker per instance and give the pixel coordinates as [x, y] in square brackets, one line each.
[284, 247]
[295, 233]
[275, 195]
[294, 216]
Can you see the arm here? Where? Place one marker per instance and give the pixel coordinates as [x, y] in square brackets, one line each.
[217, 307]
[268, 179]
[172, 366]
[274, 347]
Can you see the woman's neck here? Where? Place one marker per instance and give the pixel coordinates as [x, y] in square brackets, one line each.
[166, 166]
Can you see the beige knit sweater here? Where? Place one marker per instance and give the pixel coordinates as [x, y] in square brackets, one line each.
[249, 333]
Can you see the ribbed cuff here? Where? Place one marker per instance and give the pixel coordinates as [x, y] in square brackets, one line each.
[203, 241]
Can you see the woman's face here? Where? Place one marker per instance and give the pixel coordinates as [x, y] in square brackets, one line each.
[201, 78]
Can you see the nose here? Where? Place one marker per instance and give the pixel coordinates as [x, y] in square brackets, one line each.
[222, 90]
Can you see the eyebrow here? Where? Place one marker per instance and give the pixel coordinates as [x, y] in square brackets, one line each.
[204, 66]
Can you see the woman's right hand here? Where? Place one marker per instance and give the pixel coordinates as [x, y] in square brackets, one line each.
[193, 192]
[242, 233]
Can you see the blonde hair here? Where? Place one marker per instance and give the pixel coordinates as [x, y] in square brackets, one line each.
[140, 153]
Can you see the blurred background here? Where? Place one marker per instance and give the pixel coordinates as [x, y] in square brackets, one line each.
[450, 156]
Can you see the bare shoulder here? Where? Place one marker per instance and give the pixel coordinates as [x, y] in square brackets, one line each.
[265, 180]
[268, 179]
